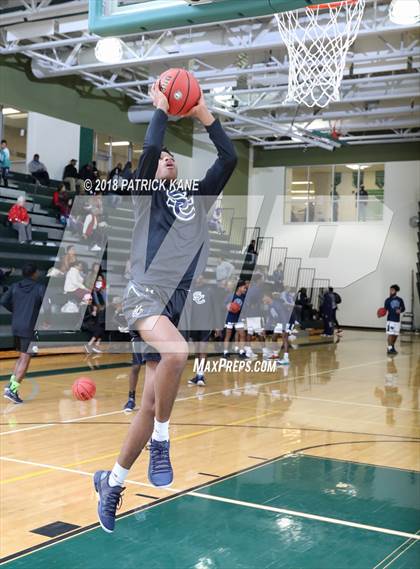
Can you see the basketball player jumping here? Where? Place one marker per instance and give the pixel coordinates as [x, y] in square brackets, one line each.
[169, 246]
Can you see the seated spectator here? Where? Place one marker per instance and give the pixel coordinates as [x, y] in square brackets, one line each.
[19, 218]
[4, 162]
[4, 273]
[96, 282]
[94, 324]
[74, 283]
[127, 171]
[116, 175]
[224, 270]
[99, 290]
[71, 177]
[68, 259]
[60, 202]
[252, 253]
[278, 276]
[91, 232]
[127, 270]
[39, 171]
[95, 171]
[86, 173]
[215, 223]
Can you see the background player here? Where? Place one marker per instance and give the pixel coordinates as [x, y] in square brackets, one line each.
[201, 323]
[394, 306]
[23, 300]
[133, 378]
[232, 320]
[157, 293]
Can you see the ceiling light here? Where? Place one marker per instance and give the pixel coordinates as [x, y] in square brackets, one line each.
[109, 50]
[18, 116]
[357, 166]
[10, 111]
[405, 12]
[118, 143]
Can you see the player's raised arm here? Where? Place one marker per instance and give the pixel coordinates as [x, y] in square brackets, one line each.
[155, 134]
[218, 175]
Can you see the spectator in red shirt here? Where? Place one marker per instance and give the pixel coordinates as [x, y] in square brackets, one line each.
[20, 220]
[60, 203]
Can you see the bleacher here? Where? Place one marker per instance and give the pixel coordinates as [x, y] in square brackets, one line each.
[48, 233]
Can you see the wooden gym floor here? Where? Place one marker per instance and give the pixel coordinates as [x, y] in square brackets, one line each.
[311, 466]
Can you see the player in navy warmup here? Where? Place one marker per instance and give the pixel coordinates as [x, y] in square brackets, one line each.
[169, 247]
[233, 321]
[394, 306]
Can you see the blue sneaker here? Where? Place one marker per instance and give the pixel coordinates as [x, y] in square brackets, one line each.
[130, 405]
[110, 499]
[160, 468]
[12, 395]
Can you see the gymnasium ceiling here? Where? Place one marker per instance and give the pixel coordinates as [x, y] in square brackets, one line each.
[242, 66]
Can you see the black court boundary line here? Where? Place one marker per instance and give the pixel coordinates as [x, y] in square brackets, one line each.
[96, 525]
[67, 370]
[309, 429]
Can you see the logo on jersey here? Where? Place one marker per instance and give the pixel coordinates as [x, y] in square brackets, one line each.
[181, 204]
[199, 297]
[138, 311]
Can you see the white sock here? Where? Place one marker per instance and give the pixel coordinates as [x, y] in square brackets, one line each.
[241, 351]
[200, 375]
[161, 431]
[286, 355]
[118, 475]
[389, 348]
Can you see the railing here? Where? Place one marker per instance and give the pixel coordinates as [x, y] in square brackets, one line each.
[251, 234]
[278, 255]
[237, 230]
[227, 216]
[330, 209]
[318, 287]
[305, 278]
[291, 271]
[264, 248]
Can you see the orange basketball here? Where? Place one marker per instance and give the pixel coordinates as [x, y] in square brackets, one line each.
[181, 89]
[84, 388]
[381, 312]
[234, 307]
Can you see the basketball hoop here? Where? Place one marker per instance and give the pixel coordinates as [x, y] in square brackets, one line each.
[318, 45]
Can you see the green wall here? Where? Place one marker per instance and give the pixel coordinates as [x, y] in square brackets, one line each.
[346, 155]
[72, 99]
[238, 184]
[86, 145]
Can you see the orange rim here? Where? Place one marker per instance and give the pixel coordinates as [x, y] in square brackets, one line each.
[331, 5]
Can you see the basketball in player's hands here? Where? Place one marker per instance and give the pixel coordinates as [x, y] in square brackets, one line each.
[381, 312]
[234, 307]
[181, 89]
[84, 388]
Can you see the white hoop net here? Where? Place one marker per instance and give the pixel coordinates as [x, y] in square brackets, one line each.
[318, 46]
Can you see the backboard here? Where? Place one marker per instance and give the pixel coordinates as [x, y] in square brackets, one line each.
[120, 17]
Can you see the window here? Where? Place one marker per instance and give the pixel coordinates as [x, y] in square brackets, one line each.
[330, 193]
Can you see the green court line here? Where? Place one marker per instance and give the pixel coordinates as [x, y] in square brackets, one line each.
[223, 535]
